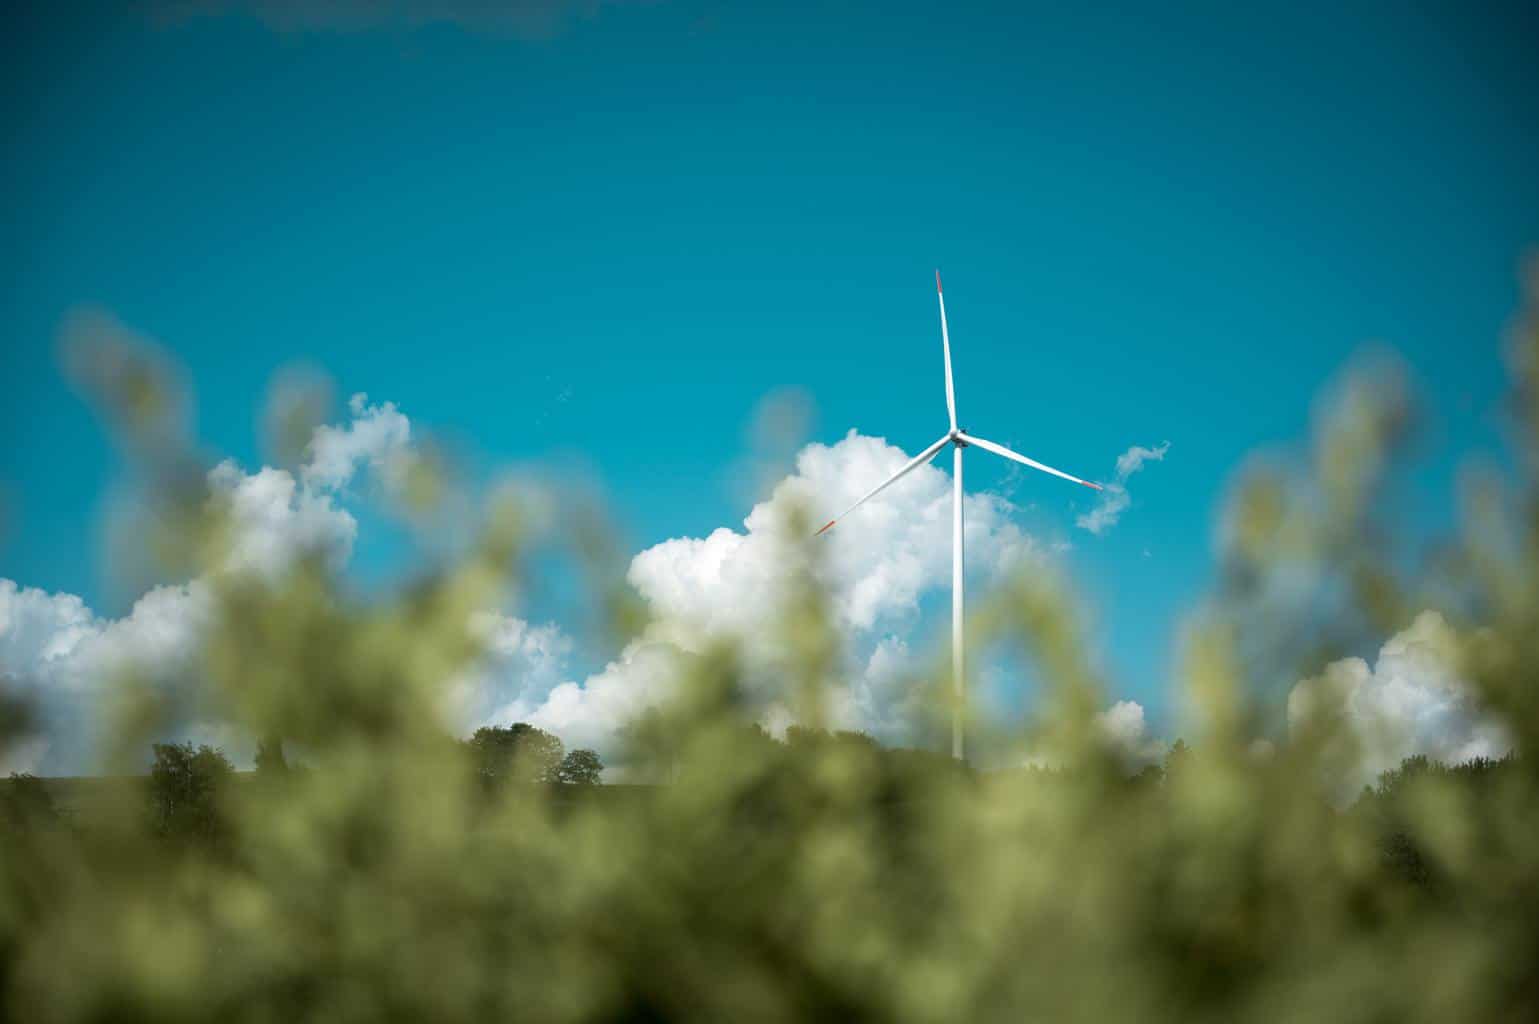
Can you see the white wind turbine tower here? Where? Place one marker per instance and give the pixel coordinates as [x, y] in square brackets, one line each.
[959, 440]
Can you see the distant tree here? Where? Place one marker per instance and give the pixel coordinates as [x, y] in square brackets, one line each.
[801, 737]
[1394, 781]
[651, 743]
[856, 739]
[1176, 757]
[757, 741]
[516, 753]
[186, 787]
[25, 801]
[269, 757]
[1389, 807]
[581, 767]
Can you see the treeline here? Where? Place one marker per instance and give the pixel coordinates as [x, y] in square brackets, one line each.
[659, 749]
[1400, 804]
[188, 786]
[524, 753]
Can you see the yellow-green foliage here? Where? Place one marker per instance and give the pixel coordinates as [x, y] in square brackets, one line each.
[826, 878]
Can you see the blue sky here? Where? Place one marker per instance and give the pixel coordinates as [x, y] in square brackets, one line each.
[602, 243]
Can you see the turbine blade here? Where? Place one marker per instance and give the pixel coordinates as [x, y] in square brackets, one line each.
[999, 449]
[951, 397]
[909, 467]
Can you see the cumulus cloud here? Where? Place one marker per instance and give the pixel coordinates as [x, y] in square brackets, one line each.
[1123, 730]
[1410, 701]
[58, 653]
[876, 567]
[520, 664]
[729, 584]
[1123, 726]
[1114, 494]
[39, 635]
[590, 714]
[273, 520]
[876, 564]
[376, 436]
[881, 698]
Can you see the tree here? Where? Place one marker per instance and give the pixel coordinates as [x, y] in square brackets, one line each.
[805, 738]
[651, 743]
[1391, 808]
[25, 801]
[857, 740]
[519, 752]
[186, 787]
[269, 757]
[581, 767]
[1176, 757]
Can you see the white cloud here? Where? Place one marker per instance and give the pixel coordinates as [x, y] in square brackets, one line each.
[40, 635]
[58, 653]
[1114, 494]
[881, 698]
[1123, 725]
[1132, 460]
[40, 629]
[376, 435]
[273, 520]
[876, 567]
[592, 713]
[1123, 729]
[877, 563]
[55, 652]
[520, 665]
[1411, 701]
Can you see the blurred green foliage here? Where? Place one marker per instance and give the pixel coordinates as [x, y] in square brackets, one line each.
[823, 877]
[27, 802]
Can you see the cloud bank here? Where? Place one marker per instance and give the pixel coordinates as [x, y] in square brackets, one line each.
[1123, 725]
[1410, 701]
[729, 584]
[61, 655]
[876, 568]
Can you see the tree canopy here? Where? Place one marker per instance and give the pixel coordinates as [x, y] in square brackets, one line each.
[186, 786]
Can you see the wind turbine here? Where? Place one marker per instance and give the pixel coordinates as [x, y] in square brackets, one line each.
[959, 440]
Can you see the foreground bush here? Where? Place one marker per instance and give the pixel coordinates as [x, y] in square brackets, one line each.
[824, 877]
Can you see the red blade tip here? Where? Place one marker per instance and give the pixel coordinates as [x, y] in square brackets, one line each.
[937, 281]
[825, 529]
[1094, 487]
